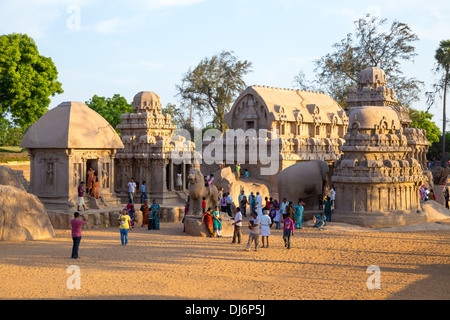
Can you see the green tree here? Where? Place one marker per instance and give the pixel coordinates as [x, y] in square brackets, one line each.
[110, 108]
[27, 80]
[179, 117]
[213, 84]
[368, 46]
[442, 57]
[423, 120]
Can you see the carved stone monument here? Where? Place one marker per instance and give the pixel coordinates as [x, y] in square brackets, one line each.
[63, 144]
[310, 125]
[149, 140]
[377, 179]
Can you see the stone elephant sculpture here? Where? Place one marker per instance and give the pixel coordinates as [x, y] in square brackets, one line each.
[198, 190]
[305, 180]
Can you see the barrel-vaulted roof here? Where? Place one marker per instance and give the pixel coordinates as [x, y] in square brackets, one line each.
[71, 125]
[292, 105]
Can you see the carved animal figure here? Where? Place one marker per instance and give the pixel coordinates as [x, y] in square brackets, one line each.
[305, 180]
[440, 174]
[198, 190]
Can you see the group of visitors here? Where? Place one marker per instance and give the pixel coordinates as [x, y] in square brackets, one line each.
[263, 214]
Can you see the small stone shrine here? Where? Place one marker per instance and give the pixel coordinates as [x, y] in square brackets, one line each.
[149, 140]
[63, 145]
[378, 176]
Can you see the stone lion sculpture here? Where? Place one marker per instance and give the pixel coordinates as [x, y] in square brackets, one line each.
[305, 180]
[198, 190]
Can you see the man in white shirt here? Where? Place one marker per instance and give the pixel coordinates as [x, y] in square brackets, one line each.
[131, 190]
[259, 205]
[255, 227]
[283, 206]
[237, 226]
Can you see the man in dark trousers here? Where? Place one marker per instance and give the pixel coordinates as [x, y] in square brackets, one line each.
[77, 222]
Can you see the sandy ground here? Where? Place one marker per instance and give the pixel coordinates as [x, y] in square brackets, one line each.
[168, 264]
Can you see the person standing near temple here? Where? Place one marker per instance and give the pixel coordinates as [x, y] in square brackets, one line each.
[238, 171]
[90, 181]
[131, 190]
[143, 190]
[255, 231]
[446, 194]
[265, 228]
[81, 196]
[154, 216]
[258, 204]
[77, 222]
[237, 234]
[124, 226]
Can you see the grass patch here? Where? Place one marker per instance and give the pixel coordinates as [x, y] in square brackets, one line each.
[8, 154]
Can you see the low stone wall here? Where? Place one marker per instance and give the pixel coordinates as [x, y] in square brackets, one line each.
[101, 219]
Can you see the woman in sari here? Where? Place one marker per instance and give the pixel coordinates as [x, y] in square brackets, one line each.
[217, 222]
[154, 214]
[95, 192]
[145, 209]
[298, 216]
[208, 220]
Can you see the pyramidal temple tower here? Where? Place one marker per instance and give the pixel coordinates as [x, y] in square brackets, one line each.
[378, 177]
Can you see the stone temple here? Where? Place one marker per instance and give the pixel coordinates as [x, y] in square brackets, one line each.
[310, 125]
[63, 144]
[149, 142]
[382, 167]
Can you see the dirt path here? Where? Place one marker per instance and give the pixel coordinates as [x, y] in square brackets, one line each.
[168, 264]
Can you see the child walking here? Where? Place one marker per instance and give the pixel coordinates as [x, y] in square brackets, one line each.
[288, 230]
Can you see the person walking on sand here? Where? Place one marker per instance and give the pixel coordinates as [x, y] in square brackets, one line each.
[77, 222]
[237, 234]
[288, 230]
[255, 231]
[265, 228]
[124, 226]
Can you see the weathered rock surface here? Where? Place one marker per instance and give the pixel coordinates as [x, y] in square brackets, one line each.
[22, 216]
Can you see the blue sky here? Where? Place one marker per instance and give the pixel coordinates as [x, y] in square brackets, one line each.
[108, 47]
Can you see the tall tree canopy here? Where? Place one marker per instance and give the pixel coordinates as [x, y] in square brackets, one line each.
[368, 46]
[213, 84]
[442, 57]
[27, 80]
[423, 120]
[110, 108]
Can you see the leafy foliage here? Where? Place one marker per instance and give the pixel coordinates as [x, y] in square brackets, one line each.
[423, 120]
[27, 80]
[368, 46]
[213, 84]
[110, 108]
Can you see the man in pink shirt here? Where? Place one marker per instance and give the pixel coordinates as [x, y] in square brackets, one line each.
[77, 223]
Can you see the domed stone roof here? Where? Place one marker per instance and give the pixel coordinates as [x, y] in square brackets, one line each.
[372, 75]
[71, 125]
[146, 101]
[369, 117]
